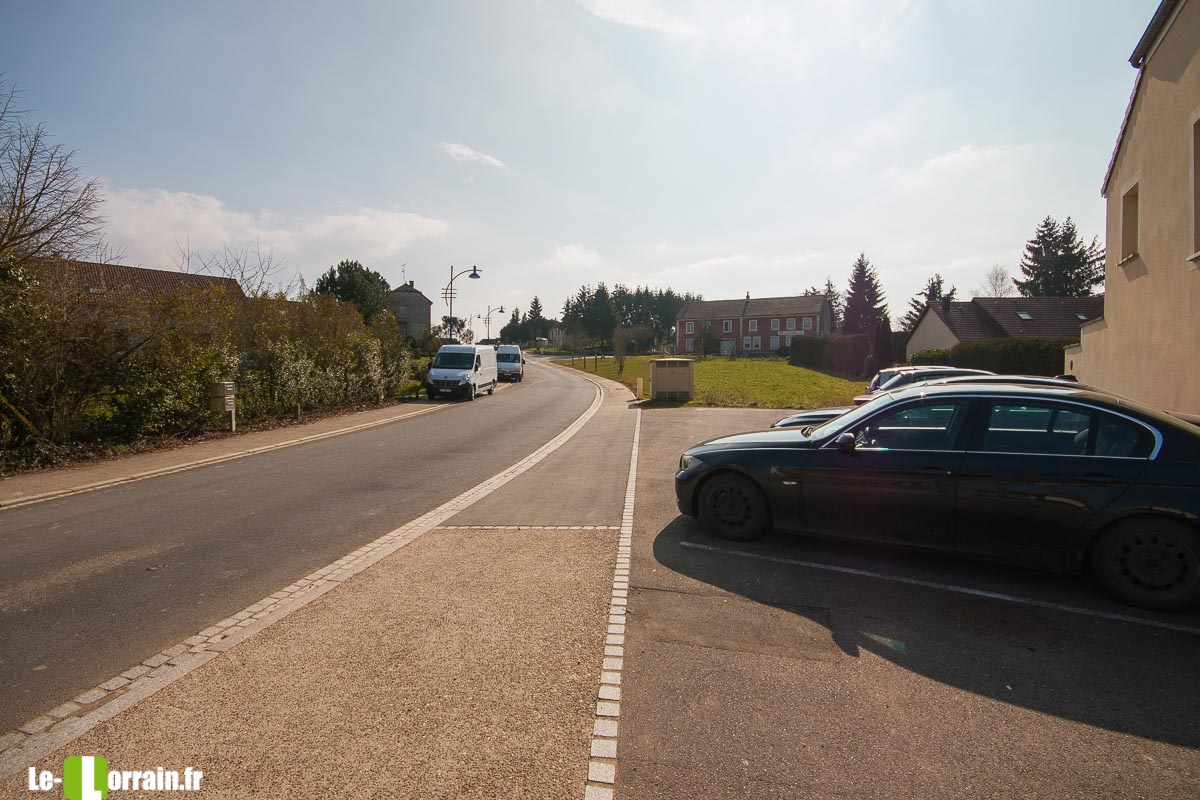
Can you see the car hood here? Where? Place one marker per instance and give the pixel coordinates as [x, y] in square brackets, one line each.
[775, 437]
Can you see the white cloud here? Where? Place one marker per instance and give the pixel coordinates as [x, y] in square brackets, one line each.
[574, 257]
[644, 14]
[967, 165]
[460, 152]
[880, 37]
[151, 224]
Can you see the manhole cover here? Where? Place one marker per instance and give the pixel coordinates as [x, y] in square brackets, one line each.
[1009, 624]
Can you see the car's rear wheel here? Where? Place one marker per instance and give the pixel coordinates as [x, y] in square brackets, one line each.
[1150, 563]
[734, 508]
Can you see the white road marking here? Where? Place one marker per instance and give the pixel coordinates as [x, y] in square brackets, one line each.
[528, 528]
[170, 665]
[947, 587]
[602, 768]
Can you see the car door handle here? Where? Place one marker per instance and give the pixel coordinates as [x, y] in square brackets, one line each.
[939, 470]
[1098, 477]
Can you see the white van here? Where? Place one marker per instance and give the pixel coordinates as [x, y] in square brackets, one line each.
[510, 362]
[462, 370]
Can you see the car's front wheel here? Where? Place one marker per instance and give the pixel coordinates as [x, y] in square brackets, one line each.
[1150, 563]
[734, 508]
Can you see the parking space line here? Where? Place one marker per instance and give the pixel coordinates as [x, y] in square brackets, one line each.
[527, 528]
[947, 587]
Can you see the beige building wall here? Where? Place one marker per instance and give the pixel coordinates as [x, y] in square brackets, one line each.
[930, 332]
[1147, 346]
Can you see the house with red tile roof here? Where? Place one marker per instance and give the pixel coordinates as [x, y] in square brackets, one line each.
[945, 324]
[100, 279]
[750, 326]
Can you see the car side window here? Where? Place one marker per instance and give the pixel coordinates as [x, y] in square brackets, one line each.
[921, 426]
[1120, 438]
[1051, 429]
[1036, 428]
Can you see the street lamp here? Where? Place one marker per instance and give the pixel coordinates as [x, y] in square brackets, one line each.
[487, 319]
[448, 294]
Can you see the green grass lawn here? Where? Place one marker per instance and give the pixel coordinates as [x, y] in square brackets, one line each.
[741, 382]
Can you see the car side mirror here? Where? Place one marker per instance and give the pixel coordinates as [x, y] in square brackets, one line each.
[844, 442]
[524, 361]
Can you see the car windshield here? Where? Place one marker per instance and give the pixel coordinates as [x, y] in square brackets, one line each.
[905, 378]
[508, 358]
[849, 418]
[448, 360]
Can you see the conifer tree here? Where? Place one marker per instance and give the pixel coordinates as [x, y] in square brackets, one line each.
[1057, 263]
[865, 303]
[932, 293]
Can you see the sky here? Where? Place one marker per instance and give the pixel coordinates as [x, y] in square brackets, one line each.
[717, 148]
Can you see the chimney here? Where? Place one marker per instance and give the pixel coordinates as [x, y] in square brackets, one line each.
[410, 284]
[747, 295]
[945, 304]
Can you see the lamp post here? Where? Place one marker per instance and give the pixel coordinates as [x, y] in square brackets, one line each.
[487, 319]
[448, 294]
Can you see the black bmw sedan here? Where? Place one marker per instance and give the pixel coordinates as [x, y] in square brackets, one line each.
[1064, 478]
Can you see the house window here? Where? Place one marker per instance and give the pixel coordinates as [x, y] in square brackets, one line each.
[689, 327]
[1024, 315]
[791, 323]
[689, 344]
[1129, 223]
[1195, 188]
[757, 343]
[1081, 317]
[775, 342]
[774, 324]
[753, 325]
[746, 343]
[806, 323]
[727, 326]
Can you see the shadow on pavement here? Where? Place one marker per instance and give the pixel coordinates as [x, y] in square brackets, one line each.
[1122, 677]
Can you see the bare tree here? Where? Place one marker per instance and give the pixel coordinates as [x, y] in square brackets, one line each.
[250, 266]
[996, 283]
[48, 209]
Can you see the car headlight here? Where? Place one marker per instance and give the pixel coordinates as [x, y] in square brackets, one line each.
[686, 462]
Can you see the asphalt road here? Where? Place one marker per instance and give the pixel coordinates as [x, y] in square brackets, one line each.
[92, 583]
[795, 667]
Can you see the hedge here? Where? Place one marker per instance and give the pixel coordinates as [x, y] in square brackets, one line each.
[937, 356]
[1012, 356]
[843, 354]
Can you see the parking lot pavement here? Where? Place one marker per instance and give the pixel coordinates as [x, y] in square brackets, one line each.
[795, 667]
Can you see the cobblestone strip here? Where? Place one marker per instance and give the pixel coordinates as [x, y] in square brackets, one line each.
[527, 528]
[61, 725]
[602, 768]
